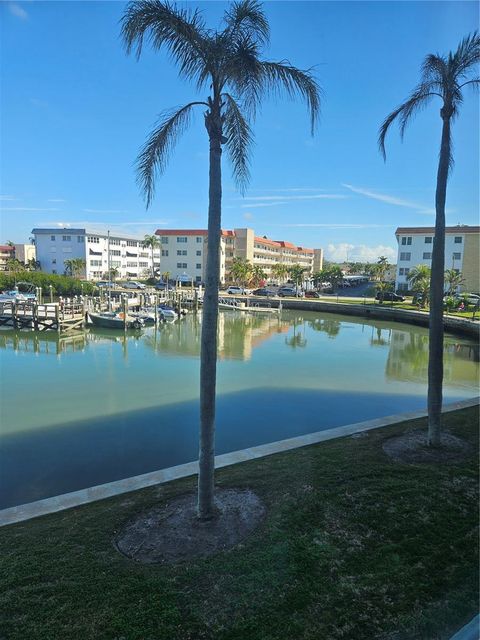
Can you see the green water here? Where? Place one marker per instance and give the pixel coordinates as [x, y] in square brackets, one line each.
[86, 409]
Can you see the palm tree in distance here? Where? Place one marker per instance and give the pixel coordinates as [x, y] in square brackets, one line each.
[151, 242]
[443, 77]
[227, 63]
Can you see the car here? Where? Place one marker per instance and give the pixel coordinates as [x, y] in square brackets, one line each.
[239, 291]
[103, 284]
[312, 294]
[133, 284]
[284, 292]
[263, 292]
[470, 298]
[389, 296]
[164, 286]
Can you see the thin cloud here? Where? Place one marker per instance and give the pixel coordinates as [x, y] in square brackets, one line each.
[102, 211]
[261, 204]
[359, 253]
[17, 11]
[56, 200]
[397, 202]
[317, 196]
[7, 198]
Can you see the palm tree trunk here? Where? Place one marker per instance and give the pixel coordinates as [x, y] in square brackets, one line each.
[208, 356]
[435, 359]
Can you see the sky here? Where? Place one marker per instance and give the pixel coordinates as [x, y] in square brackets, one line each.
[75, 111]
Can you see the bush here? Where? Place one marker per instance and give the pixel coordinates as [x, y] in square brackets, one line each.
[61, 285]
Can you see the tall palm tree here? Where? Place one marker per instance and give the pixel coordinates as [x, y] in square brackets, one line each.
[453, 280]
[151, 242]
[443, 77]
[227, 64]
[74, 266]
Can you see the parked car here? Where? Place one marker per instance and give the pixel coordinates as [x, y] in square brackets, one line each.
[263, 292]
[284, 292]
[312, 294]
[133, 284]
[103, 284]
[164, 286]
[238, 291]
[471, 298]
[389, 296]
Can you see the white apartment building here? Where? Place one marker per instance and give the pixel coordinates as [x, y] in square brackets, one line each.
[184, 251]
[99, 250]
[461, 253]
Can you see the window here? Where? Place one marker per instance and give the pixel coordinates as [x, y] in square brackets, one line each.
[95, 263]
[132, 264]
[54, 261]
[405, 256]
[94, 239]
[407, 240]
[132, 243]
[199, 239]
[66, 238]
[115, 252]
[199, 266]
[181, 252]
[164, 253]
[115, 241]
[54, 271]
[407, 270]
[182, 239]
[164, 240]
[116, 264]
[52, 238]
[458, 240]
[80, 238]
[401, 271]
[428, 239]
[402, 286]
[457, 256]
[199, 253]
[181, 265]
[143, 264]
[427, 255]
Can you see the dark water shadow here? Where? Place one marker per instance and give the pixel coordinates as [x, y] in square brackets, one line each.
[76, 455]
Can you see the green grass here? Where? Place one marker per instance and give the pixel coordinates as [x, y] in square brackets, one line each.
[354, 546]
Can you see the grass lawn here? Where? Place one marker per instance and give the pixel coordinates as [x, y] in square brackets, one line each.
[354, 546]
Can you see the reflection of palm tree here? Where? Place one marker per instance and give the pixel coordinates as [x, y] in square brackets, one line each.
[379, 341]
[329, 326]
[297, 340]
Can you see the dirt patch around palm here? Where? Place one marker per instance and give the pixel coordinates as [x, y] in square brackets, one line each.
[172, 532]
[412, 448]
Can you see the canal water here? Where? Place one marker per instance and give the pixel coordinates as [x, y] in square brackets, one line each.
[101, 406]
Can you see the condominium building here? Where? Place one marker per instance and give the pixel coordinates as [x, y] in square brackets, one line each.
[6, 253]
[184, 251]
[101, 251]
[462, 251]
[25, 252]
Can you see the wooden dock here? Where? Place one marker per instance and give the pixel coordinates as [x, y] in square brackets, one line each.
[60, 317]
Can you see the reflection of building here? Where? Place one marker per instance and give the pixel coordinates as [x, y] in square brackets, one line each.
[127, 253]
[462, 253]
[184, 252]
[238, 335]
[408, 359]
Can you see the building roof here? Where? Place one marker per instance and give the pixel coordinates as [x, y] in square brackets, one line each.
[6, 247]
[459, 228]
[181, 232]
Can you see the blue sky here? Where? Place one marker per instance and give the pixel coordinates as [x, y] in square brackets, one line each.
[75, 110]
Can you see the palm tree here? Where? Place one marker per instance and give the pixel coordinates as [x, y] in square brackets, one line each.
[443, 77]
[151, 242]
[227, 63]
[419, 281]
[240, 271]
[257, 275]
[279, 271]
[453, 279]
[74, 266]
[296, 272]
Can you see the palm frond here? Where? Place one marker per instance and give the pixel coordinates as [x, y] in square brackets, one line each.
[242, 71]
[162, 24]
[239, 141]
[417, 101]
[246, 17]
[277, 75]
[466, 56]
[153, 158]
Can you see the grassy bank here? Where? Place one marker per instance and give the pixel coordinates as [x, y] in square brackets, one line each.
[354, 546]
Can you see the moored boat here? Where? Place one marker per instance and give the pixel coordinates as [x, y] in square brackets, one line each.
[114, 320]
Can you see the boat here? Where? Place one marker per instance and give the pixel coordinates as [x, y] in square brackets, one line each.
[114, 320]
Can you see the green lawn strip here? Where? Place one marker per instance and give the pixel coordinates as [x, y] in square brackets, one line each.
[353, 546]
